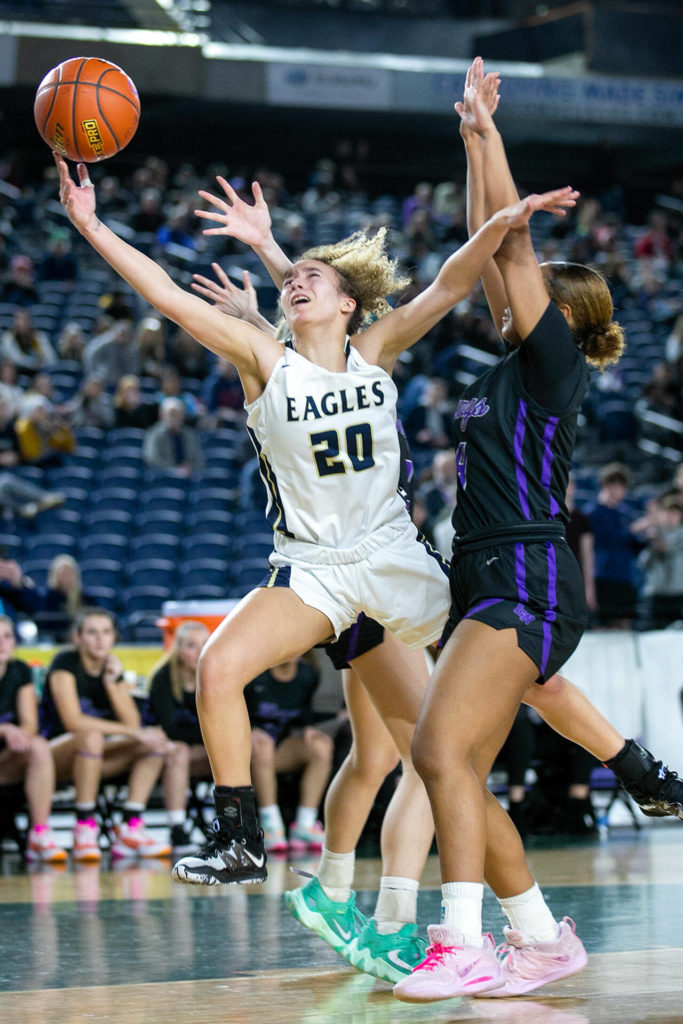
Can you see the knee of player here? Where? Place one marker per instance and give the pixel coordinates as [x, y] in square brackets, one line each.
[90, 741]
[40, 749]
[427, 760]
[321, 746]
[374, 762]
[219, 675]
[179, 755]
[262, 747]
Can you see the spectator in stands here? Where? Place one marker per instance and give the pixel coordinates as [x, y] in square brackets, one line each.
[662, 561]
[19, 287]
[26, 346]
[43, 434]
[428, 425]
[222, 394]
[661, 393]
[151, 345]
[420, 199]
[439, 494]
[59, 262]
[25, 498]
[284, 739]
[171, 386]
[71, 342]
[116, 305]
[149, 216]
[189, 357]
[94, 727]
[654, 242]
[130, 408]
[25, 757]
[19, 596]
[171, 443]
[63, 598]
[173, 707]
[10, 392]
[112, 353]
[91, 406]
[580, 539]
[559, 802]
[616, 549]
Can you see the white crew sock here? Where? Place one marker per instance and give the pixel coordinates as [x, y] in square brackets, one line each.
[335, 874]
[461, 908]
[175, 817]
[396, 904]
[529, 914]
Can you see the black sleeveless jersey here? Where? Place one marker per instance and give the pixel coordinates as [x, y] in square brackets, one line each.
[513, 453]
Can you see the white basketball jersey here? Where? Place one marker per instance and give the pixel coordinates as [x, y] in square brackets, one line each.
[328, 450]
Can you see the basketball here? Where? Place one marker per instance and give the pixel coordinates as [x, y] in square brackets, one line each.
[87, 109]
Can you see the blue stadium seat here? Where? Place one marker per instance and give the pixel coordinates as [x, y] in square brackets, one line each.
[123, 455]
[48, 545]
[141, 627]
[202, 592]
[159, 572]
[207, 545]
[144, 598]
[98, 545]
[216, 498]
[132, 437]
[101, 572]
[115, 499]
[154, 545]
[109, 521]
[150, 522]
[104, 597]
[166, 498]
[37, 569]
[211, 571]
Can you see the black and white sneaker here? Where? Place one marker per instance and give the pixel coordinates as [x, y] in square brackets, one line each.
[655, 788]
[228, 858]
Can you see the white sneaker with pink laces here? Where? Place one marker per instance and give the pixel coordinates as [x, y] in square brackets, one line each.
[309, 838]
[86, 841]
[41, 846]
[131, 839]
[450, 968]
[526, 967]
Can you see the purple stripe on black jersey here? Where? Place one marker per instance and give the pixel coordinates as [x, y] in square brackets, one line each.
[520, 427]
[482, 604]
[520, 573]
[552, 604]
[548, 435]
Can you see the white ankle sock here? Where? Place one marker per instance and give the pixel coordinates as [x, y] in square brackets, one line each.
[335, 874]
[271, 818]
[396, 904]
[529, 914]
[175, 817]
[461, 907]
[306, 817]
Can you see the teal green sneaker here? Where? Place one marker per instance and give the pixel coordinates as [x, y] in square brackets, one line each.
[337, 923]
[389, 957]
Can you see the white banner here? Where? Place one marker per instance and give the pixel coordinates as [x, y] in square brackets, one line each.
[317, 85]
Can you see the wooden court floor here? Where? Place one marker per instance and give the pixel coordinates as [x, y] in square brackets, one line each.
[128, 946]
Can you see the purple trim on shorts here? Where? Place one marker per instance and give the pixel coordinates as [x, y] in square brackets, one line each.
[354, 636]
[520, 427]
[552, 604]
[520, 573]
[482, 604]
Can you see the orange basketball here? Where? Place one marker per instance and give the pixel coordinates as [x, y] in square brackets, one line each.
[87, 109]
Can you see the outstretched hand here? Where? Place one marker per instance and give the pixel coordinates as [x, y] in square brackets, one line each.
[77, 200]
[249, 224]
[238, 302]
[480, 99]
[557, 202]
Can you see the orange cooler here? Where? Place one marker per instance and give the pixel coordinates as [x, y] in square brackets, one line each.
[211, 613]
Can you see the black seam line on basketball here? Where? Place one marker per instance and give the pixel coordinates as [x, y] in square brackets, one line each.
[108, 88]
[102, 113]
[73, 108]
[54, 87]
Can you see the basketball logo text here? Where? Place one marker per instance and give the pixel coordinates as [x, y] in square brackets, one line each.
[58, 139]
[92, 133]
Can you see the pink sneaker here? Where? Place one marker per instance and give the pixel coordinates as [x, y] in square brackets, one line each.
[526, 967]
[132, 839]
[41, 847]
[450, 968]
[86, 841]
[274, 840]
[306, 838]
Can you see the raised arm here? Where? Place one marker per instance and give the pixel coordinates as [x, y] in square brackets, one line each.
[385, 339]
[252, 352]
[239, 302]
[477, 210]
[526, 293]
[250, 224]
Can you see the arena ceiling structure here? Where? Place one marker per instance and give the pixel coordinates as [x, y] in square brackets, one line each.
[591, 89]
